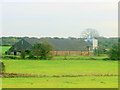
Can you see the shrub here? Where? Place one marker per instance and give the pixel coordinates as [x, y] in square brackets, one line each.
[42, 50]
[99, 51]
[23, 54]
[2, 68]
[114, 52]
[31, 57]
[10, 57]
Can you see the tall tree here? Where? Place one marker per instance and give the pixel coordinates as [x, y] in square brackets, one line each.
[90, 33]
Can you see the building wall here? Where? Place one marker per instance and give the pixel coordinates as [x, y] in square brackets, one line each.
[70, 53]
[17, 53]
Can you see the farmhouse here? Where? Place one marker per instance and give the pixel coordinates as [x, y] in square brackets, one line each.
[61, 46]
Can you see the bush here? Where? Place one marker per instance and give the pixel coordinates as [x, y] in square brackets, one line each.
[31, 57]
[23, 54]
[106, 58]
[2, 68]
[42, 50]
[99, 51]
[114, 52]
[10, 57]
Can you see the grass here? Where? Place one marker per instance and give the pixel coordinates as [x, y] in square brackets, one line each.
[60, 67]
[62, 82]
[79, 57]
[4, 48]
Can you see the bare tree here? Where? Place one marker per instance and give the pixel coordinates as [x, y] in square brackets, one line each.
[90, 33]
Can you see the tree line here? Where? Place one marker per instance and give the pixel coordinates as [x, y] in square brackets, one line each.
[103, 41]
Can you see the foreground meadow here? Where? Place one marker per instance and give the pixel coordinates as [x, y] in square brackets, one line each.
[58, 66]
[62, 82]
[61, 67]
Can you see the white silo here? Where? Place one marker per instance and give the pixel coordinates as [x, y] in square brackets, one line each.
[95, 44]
[92, 44]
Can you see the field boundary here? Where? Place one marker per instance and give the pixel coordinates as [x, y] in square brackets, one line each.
[69, 75]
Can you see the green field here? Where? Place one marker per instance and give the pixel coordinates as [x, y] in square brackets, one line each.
[62, 67]
[4, 48]
[62, 82]
[58, 66]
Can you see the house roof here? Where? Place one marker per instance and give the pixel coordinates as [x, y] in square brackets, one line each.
[59, 44]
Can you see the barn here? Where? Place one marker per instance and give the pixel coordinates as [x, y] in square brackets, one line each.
[61, 46]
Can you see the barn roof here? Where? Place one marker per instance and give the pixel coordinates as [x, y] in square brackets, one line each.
[59, 44]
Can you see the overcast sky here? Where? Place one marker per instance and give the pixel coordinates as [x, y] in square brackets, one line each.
[58, 19]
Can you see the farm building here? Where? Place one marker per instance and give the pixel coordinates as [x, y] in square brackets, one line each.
[61, 46]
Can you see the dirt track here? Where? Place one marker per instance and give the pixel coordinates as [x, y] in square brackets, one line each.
[72, 75]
